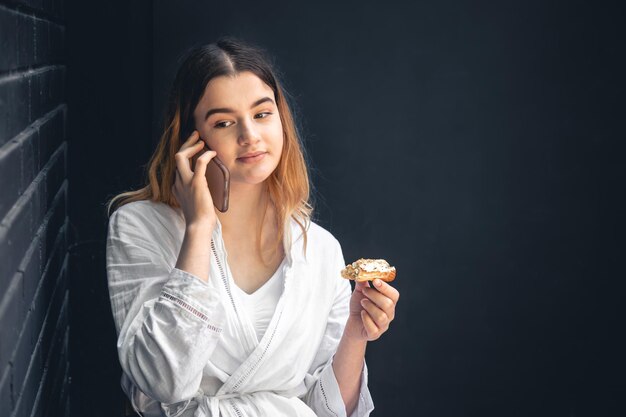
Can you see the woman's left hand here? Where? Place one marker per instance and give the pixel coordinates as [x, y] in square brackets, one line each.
[371, 310]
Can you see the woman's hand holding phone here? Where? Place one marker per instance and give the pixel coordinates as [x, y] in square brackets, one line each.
[190, 187]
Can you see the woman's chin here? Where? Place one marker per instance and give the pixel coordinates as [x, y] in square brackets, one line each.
[251, 176]
[249, 179]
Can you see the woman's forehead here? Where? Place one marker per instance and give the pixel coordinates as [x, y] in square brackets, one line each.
[235, 87]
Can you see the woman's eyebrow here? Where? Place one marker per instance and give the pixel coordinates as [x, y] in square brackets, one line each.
[227, 110]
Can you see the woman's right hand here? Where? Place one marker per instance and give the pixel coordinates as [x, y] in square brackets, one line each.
[190, 187]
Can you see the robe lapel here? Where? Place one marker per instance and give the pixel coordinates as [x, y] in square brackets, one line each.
[239, 379]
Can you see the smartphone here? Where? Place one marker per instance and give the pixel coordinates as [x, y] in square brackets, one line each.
[218, 178]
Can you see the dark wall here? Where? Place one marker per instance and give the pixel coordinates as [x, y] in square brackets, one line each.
[476, 147]
[109, 99]
[34, 327]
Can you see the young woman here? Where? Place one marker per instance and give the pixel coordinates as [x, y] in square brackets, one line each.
[243, 312]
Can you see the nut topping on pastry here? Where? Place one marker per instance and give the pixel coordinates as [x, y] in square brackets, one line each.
[369, 269]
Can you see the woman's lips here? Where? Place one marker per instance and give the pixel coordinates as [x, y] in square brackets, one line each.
[252, 159]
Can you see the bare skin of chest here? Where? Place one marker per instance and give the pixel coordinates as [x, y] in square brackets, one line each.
[245, 262]
[249, 273]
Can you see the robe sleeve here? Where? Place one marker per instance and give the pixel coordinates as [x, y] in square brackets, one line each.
[323, 395]
[168, 321]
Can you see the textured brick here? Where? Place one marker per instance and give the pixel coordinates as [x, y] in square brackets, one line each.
[37, 150]
[60, 390]
[20, 159]
[36, 270]
[51, 136]
[6, 403]
[26, 393]
[50, 40]
[26, 216]
[33, 321]
[14, 105]
[28, 96]
[34, 361]
[54, 365]
[48, 90]
[11, 24]
[10, 175]
[56, 219]
[8, 45]
[16, 231]
[47, 334]
[54, 171]
[38, 274]
[26, 386]
[28, 40]
[30, 212]
[34, 4]
[11, 316]
[41, 253]
[25, 42]
[53, 8]
[64, 382]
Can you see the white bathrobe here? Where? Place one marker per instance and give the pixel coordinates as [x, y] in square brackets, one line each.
[187, 348]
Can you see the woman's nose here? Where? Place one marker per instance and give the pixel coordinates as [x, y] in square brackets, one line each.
[248, 133]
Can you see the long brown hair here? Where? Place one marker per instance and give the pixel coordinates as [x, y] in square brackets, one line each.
[288, 185]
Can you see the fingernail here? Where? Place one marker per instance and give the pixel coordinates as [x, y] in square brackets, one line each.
[378, 282]
[363, 302]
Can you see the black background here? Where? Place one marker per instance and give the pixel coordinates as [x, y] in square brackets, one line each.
[477, 146]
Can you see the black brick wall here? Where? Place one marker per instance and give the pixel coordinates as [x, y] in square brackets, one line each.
[34, 366]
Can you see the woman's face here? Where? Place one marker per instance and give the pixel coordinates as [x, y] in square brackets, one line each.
[237, 116]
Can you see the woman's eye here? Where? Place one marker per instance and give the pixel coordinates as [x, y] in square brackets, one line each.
[267, 113]
[221, 125]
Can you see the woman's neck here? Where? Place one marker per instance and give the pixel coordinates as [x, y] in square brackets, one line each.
[246, 207]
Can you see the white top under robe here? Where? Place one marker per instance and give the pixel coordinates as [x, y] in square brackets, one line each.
[261, 304]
